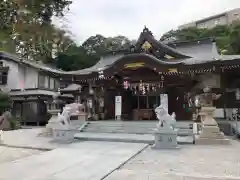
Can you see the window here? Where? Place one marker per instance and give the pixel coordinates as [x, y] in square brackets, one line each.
[217, 21]
[3, 78]
[52, 83]
[41, 81]
[202, 25]
[236, 15]
[56, 84]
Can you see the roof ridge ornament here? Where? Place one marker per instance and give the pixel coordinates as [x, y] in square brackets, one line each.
[146, 30]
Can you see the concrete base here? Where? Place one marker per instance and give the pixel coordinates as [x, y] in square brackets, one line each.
[210, 133]
[211, 141]
[165, 138]
[48, 131]
[63, 136]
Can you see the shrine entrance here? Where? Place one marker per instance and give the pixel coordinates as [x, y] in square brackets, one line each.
[177, 103]
[140, 89]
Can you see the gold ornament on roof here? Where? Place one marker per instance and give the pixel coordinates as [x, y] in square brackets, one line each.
[146, 46]
[169, 57]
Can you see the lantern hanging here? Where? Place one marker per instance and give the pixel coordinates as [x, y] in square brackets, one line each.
[143, 90]
[140, 86]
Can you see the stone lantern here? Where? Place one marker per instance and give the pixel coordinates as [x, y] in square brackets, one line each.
[210, 133]
[54, 110]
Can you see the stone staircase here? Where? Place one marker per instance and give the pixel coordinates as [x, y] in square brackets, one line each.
[132, 127]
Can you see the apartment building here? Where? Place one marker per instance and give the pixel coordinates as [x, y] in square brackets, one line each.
[225, 18]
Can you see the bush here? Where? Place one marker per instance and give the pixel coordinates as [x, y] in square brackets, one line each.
[14, 123]
[5, 102]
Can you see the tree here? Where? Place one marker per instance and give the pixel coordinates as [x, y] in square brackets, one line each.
[5, 102]
[75, 58]
[234, 37]
[227, 37]
[27, 25]
[95, 44]
[116, 43]
[86, 55]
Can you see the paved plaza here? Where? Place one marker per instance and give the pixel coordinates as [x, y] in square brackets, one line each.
[80, 161]
[94, 160]
[189, 163]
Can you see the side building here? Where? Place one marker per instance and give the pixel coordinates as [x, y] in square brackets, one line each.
[31, 86]
[225, 18]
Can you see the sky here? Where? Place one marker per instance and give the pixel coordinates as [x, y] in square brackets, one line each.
[128, 17]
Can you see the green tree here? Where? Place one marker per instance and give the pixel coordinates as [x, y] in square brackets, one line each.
[5, 102]
[234, 37]
[227, 37]
[75, 58]
[86, 55]
[25, 26]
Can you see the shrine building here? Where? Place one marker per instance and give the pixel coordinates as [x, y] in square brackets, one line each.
[127, 84]
[150, 70]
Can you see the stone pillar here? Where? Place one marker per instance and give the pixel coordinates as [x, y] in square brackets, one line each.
[210, 133]
[54, 111]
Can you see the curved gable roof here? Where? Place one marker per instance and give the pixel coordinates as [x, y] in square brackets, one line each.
[146, 35]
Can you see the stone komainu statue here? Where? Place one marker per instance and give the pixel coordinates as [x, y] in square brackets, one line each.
[165, 120]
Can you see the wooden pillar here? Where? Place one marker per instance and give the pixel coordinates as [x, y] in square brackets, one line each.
[138, 102]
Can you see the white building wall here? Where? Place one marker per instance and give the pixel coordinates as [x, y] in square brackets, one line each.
[30, 77]
[20, 76]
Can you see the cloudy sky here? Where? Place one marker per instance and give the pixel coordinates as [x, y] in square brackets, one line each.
[128, 17]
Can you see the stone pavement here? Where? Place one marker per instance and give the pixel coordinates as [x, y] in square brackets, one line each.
[91, 160]
[79, 161]
[189, 163]
[28, 138]
[8, 154]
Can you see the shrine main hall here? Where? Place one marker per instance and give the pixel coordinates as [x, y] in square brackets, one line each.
[132, 82]
[129, 83]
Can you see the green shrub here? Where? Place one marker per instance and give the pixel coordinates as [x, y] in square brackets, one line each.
[15, 123]
[5, 102]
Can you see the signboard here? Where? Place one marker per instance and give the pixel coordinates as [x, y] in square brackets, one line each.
[134, 65]
[164, 101]
[173, 70]
[118, 106]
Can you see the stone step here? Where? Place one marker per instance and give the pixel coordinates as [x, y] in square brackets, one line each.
[136, 127]
[123, 125]
[133, 125]
[127, 138]
[181, 132]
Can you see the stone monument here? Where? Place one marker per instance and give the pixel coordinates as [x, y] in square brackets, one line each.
[165, 134]
[62, 130]
[54, 111]
[77, 110]
[4, 123]
[210, 133]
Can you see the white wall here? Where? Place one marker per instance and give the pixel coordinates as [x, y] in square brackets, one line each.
[29, 76]
[12, 81]
[20, 75]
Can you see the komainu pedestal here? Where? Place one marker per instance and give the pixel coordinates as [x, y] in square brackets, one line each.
[48, 130]
[165, 138]
[210, 133]
[165, 134]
